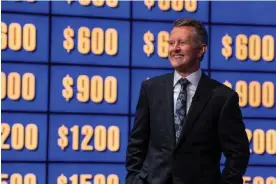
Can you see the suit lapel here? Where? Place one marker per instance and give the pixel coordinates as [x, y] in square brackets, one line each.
[200, 99]
[170, 107]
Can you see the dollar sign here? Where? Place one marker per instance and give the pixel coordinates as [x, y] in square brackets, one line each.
[63, 140]
[68, 43]
[228, 84]
[147, 78]
[69, 1]
[149, 3]
[148, 47]
[67, 82]
[227, 50]
[62, 179]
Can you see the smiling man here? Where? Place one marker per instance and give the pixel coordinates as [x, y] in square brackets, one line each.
[185, 120]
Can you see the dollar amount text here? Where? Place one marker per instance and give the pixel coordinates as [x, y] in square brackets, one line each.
[15, 37]
[262, 141]
[259, 180]
[18, 178]
[254, 93]
[175, 5]
[84, 179]
[253, 47]
[30, 1]
[162, 44]
[15, 86]
[96, 89]
[104, 138]
[21, 137]
[96, 41]
[97, 3]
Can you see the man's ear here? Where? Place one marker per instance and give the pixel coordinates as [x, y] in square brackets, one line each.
[202, 51]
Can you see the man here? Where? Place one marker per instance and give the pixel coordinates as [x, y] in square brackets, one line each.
[185, 121]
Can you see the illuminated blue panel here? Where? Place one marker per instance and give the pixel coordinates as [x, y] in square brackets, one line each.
[145, 52]
[138, 76]
[258, 174]
[259, 133]
[102, 50]
[253, 51]
[18, 98]
[248, 100]
[32, 48]
[113, 9]
[26, 153]
[10, 172]
[110, 98]
[25, 6]
[132, 122]
[264, 174]
[99, 149]
[165, 10]
[244, 12]
[88, 172]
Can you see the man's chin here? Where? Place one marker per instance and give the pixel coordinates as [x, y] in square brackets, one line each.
[178, 66]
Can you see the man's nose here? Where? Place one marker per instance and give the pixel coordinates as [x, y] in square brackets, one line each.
[177, 48]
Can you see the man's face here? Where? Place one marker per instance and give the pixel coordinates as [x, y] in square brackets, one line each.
[184, 51]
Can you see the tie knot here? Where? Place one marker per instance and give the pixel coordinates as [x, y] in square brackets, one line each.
[184, 82]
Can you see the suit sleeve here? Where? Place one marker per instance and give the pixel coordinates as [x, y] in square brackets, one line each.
[139, 138]
[234, 141]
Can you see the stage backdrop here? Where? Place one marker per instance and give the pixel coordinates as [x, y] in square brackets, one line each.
[72, 70]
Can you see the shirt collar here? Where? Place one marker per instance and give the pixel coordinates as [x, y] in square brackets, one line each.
[193, 77]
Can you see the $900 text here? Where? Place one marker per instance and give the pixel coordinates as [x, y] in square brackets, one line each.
[97, 88]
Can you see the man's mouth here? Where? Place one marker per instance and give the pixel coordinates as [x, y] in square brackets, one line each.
[177, 55]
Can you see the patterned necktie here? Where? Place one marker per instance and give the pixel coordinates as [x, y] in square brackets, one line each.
[180, 108]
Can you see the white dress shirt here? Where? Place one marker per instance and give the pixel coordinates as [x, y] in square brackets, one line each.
[191, 88]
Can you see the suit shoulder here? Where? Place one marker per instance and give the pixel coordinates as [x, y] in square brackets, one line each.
[156, 80]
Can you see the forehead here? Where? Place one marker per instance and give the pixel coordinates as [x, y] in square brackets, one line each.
[182, 32]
